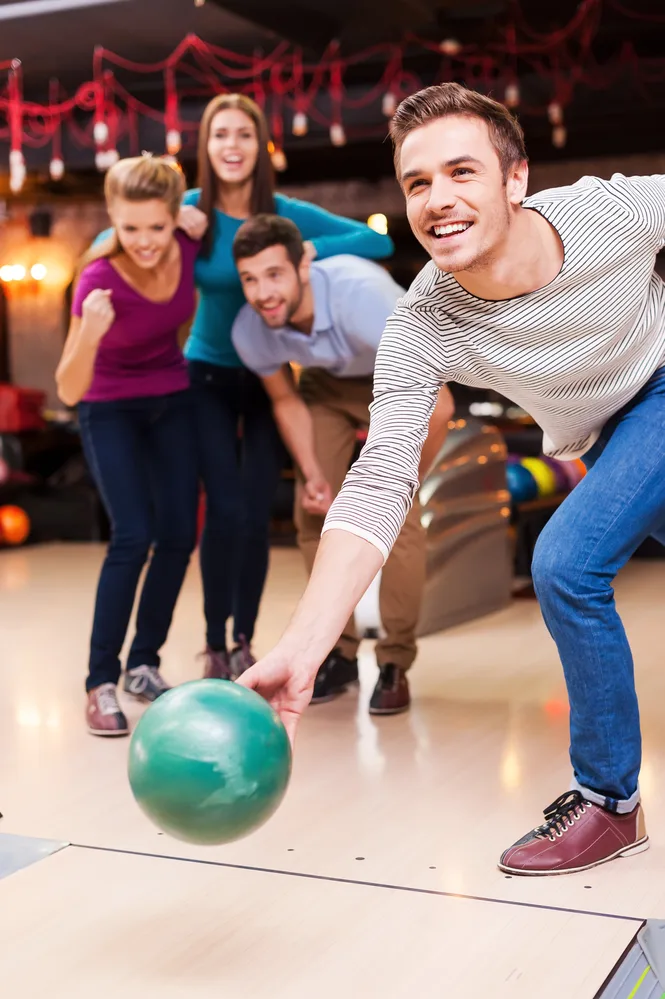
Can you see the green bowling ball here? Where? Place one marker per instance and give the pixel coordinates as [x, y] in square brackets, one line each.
[209, 762]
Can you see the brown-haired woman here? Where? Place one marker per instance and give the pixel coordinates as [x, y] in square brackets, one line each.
[123, 366]
[239, 444]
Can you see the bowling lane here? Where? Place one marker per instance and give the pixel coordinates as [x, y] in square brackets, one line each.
[428, 799]
[141, 928]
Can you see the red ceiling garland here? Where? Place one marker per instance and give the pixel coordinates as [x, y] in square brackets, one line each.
[290, 88]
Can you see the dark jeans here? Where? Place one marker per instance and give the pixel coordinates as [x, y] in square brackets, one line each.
[241, 456]
[142, 455]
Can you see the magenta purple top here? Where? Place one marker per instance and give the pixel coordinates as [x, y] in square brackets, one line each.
[140, 354]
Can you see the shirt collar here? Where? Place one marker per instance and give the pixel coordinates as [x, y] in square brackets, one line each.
[321, 295]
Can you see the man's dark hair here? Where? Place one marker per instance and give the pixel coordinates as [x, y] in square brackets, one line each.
[261, 231]
[445, 99]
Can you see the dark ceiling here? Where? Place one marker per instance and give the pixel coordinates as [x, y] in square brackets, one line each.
[623, 118]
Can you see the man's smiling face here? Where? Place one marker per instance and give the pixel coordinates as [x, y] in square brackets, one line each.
[457, 200]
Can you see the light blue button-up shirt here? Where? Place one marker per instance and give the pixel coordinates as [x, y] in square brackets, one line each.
[353, 298]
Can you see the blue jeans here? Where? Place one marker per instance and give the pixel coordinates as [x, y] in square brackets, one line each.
[241, 457]
[619, 503]
[142, 456]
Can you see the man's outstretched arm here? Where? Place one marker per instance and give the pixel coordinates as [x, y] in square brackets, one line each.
[345, 565]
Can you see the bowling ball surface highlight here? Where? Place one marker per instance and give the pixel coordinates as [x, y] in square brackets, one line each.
[544, 476]
[209, 762]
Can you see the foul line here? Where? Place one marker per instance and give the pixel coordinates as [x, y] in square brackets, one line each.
[364, 884]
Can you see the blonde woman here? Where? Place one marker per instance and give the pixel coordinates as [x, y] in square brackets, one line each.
[123, 366]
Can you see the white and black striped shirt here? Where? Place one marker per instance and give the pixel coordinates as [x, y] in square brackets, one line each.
[571, 354]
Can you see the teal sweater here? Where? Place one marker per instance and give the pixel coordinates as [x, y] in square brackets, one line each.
[220, 292]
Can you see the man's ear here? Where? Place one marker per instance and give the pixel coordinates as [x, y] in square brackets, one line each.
[303, 269]
[517, 182]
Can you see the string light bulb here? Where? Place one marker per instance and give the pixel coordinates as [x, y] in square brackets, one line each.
[337, 134]
[555, 113]
[100, 132]
[450, 47]
[17, 171]
[512, 95]
[106, 158]
[56, 168]
[278, 159]
[300, 123]
[559, 136]
[389, 104]
[173, 142]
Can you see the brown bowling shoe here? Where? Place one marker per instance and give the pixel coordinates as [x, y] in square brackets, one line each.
[391, 694]
[103, 713]
[576, 836]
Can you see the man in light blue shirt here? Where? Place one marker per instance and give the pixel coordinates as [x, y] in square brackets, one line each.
[326, 318]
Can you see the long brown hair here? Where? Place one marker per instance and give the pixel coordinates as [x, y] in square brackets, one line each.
[139, 178]
[263, 180]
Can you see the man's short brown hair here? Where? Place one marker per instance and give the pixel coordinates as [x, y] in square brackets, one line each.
[446, 99]
[261, 231]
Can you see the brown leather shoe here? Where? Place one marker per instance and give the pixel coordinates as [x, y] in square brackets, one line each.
[103, 712]
[391, 694]
[576, 835]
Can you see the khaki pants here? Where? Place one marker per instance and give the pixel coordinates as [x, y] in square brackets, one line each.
[339, 407]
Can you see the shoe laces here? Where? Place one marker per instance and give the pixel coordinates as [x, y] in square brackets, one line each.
[152, 676]
[390, 676]
[107, 700]
[561, 815]
[245, 652]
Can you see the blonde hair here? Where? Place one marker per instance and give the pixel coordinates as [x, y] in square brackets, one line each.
[139, 178]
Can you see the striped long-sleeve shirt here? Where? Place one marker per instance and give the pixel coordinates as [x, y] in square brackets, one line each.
[571, 354]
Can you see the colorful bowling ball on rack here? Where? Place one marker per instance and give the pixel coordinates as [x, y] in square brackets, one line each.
[543, 474]
[14, 525]
[575, 471]
[521, 483]
[560, 476]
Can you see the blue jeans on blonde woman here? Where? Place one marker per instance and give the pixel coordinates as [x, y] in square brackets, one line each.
[142, 456]
[619, 504]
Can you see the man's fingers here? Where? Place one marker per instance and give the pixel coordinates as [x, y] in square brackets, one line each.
[290, 722]
[247, 680]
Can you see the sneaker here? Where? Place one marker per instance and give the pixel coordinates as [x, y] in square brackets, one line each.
[575, 836]
[334, 675]
[391, 694]
[216, 664]
[241, 658]
[103, 712]
[146, 683]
